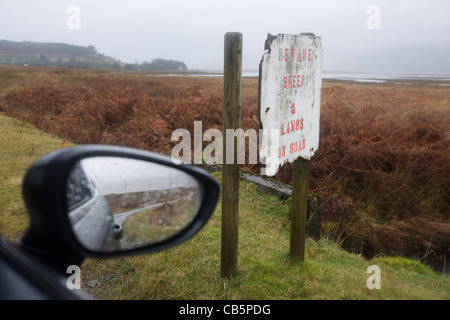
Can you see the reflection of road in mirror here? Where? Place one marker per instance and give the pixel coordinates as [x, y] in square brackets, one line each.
[120, 217]
[157, 221]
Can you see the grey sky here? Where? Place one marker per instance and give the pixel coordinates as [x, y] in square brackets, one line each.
[192, 31]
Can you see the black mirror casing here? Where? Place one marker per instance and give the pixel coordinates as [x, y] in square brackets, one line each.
[50, 235]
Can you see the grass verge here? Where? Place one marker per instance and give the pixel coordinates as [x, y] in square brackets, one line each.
[192, 270]
[20, 145]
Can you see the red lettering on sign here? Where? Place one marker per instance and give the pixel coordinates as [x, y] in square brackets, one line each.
[297, 146]
[293, 81]
[302, 54]
[292, 126]
[281, 152]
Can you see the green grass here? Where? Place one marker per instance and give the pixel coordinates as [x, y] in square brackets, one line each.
[192, 270]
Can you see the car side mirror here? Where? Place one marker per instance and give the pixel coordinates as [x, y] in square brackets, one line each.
[118, 204]
[108, 201]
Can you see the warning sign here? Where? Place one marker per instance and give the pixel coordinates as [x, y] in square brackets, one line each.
[290, 80]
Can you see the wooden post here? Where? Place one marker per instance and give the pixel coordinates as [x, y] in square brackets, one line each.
[230, 171]
[299, 209]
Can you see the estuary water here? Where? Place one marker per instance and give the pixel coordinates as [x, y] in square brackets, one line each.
[431, 79]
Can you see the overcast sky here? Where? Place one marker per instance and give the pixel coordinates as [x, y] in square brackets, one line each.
[193, 31]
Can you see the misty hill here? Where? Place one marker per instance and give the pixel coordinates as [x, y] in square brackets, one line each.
[68, 55]
[52, 54]
[420, 59]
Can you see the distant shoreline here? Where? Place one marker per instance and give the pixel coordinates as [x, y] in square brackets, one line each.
[328, 76]
[373, 78]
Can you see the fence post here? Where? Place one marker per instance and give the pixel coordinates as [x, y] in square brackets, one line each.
[230, 171]
[299, 209]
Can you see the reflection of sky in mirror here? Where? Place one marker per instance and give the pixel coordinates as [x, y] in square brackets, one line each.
[122, 175]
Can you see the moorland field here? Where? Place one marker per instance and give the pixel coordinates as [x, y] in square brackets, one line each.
[382, 168]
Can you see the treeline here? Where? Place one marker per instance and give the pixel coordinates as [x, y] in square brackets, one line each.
[74, 61]
[162, 64]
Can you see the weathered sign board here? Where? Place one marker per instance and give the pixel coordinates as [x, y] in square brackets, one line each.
[290, 80]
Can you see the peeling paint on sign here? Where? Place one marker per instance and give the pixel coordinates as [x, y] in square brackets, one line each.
[290, 82]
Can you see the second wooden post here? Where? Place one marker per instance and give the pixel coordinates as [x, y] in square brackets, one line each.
[230, 169]
[299, 209]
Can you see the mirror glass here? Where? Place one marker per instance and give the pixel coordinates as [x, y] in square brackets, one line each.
[116, 204]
